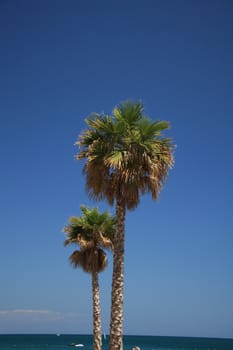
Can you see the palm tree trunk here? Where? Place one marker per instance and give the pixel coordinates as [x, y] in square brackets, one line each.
[116, 323]
[97, 337]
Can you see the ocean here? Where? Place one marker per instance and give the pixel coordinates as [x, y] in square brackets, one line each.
[84, 342]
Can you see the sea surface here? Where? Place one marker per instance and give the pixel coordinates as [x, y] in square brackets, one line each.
[85, 342]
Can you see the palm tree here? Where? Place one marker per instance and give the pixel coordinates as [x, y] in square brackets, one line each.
[92, 231]
[129, 152]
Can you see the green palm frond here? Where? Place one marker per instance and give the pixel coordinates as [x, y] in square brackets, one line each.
[128, 112]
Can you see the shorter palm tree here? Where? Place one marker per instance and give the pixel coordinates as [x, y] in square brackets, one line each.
[93, 231]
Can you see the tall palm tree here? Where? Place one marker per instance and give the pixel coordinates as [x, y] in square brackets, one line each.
[126, 156]
[92, 231]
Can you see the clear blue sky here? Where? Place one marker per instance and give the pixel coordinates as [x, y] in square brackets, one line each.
[62, 60]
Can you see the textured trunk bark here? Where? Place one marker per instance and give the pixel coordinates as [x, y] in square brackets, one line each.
[116, 323]
[97, 336]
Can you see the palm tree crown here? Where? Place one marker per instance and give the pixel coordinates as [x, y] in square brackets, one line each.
[127, 149]
[92, 231]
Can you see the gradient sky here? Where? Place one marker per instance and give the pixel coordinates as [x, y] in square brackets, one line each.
[62, 60]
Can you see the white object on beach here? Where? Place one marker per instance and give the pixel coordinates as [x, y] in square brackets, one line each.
[136, 348]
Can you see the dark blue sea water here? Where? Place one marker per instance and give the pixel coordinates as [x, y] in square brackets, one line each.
[62, 342]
